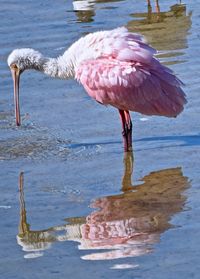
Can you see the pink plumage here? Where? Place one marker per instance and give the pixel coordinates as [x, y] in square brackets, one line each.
[116, 68]
[126, 75]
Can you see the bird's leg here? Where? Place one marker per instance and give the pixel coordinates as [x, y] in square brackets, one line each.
[129, 129]
[126, 129]
[149, 2]
[157, 7]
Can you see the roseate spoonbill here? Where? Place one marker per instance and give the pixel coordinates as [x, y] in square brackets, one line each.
[116, 68]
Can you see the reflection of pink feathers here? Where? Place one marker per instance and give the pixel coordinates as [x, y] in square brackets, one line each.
[125, 74]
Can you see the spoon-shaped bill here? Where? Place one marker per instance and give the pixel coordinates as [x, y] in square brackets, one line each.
[16, 77]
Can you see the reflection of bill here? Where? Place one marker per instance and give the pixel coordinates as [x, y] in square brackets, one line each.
[125, 225]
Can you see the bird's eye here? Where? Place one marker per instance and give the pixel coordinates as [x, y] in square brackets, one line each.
[14, 66]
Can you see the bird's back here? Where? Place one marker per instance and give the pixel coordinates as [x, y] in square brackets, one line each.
[118, 44]
[118, 68]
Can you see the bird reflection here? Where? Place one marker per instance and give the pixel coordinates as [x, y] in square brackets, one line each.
[164, 30]
[123, 225]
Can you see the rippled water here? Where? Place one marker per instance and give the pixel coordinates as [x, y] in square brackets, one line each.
[71, 204]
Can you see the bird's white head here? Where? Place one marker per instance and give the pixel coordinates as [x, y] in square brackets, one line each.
[25, 58]
[18, 61]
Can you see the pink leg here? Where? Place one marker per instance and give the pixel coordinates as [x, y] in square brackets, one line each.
[149, 2]
[157, 7]
[126, 129]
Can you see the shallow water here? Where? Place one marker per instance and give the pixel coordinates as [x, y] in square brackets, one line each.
[70, 204]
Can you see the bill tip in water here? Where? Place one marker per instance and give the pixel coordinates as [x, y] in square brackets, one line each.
[18, 122]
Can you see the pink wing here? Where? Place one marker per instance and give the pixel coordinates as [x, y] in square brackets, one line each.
[130, 78]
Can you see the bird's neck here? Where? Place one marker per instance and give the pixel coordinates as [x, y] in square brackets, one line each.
[59, 67]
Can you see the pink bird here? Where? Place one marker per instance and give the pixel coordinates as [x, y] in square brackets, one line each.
[116, 68]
